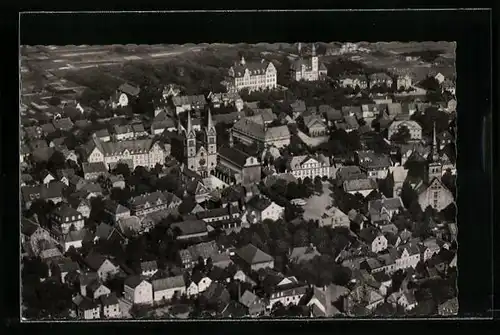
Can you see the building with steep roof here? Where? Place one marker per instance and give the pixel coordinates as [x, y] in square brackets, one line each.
[414, 128]
[308, 68]
[148, 203]
[137, 152]
[184, 103]
[252, 258]
[249, 132]
[363, 186]
[124, 94]
[246, 167]
[252, 76]
[167, 288]
[65, 216]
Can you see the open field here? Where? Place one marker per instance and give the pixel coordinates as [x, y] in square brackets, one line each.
[316, 204]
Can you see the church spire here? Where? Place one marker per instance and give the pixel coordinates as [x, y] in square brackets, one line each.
[299, 48]
[435, 154]
[313, 50]
[209, 120]
[189, 124]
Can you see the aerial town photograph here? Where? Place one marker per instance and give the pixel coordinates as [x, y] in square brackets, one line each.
[238, 181]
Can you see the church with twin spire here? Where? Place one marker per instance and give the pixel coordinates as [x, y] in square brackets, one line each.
[200, 148]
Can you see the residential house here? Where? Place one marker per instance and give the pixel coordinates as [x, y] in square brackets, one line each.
[188, 102]
[315, 126]
[308, 166]
[201, 281]
[260, 209]
[81, 205]
[255, 305]
[263, 116]
[321, 305]
[287, 294]
[74, 238]
[252, 258]
[31, 236]
[217, 297]
[350, 172]
[365, 296]
[85, 279]
[64, 124]
[138, 129]
[380, 78]
[407, 300]
[190, 229]
[104, 267]
[334, 217]
[117, 181]
[87, 309]
[162, 123]
[47, 177]
[413, 127]
[149, 268]
[153, 202]
[123, 132]
[225, 217]
[429, 248]
[303, 254]
[116, 211]
[406, 255]
[65, 266]
[96, 289]
[138, 291]
[103, 135]
[225, 99]
[110, 306]
[92, 171]
[449, 307]
[385, 206]
[189, 257]
[52, 191]
[374, 238]
[353, 81]
[64, 217]
[361, 186]
[167, 288]
[298, 107]
[440, 78]
[373, 164]
[124, 94]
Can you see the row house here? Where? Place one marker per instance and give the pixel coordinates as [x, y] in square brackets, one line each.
[226, 99]
[188, 102]
[353, 81]
[153, 202]
[381, 78]
[92, 171]
[138, 152]
[287, 295]
[374, 165]
[48, 192]
[309, 166]
[129, 131]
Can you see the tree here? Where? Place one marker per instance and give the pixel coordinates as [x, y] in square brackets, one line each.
[56, 162]
[54, 101]
[318, 185]
[187, 205]
[301, 238]
[123, 169]
[401, 136]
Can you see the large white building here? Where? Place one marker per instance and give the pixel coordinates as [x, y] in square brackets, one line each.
[308, 69]
[309, 166]
[136, 152]
[252, 76]
[414, 128]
